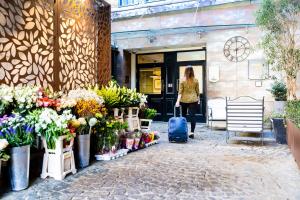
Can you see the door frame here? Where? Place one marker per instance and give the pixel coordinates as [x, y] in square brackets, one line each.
[164, 115]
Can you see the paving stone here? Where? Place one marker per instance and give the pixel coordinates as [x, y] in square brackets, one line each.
[204, 168]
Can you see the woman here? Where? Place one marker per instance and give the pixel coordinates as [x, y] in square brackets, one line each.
[188, 97]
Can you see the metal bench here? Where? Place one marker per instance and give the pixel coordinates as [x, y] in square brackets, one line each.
[216, 110]
[245, 115]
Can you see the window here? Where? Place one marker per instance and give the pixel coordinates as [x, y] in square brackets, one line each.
[150, 80]
[127, 2]
[190, 56]
[134, 2]
[151, 58]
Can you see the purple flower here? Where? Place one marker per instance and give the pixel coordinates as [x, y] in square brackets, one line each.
[12, 130]
[1, 134]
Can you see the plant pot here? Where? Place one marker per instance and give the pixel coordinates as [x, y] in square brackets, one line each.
[279, 130]
[19, 167]
[83, 146]
[279, 107]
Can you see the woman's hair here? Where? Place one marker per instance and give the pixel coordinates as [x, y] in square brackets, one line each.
[189, 73]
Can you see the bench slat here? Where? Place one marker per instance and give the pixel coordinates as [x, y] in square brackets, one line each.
[250, 118]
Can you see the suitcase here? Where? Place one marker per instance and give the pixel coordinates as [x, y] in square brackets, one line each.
[178, 128]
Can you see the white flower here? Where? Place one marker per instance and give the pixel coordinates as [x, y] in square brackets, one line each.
[3, 144]
[85, 95]
[92, 122]
[6, 94]
[82, 121]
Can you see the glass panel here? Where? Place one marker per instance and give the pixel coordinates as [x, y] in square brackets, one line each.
[150, 80]
[198, 75]
[151, 58]
[190, 56]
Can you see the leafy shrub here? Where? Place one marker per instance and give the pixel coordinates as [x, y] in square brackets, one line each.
[279, 91]
[292, 111]
[150, 113]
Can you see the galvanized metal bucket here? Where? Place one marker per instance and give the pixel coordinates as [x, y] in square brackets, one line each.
[19, 167]
[83, 147]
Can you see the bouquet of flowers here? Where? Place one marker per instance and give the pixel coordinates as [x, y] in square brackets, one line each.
[25, 98]
[16, 131]
[82, 94]
[51, 125]
[6, 98]
[3, 154]
[89, 108]
[66, 103]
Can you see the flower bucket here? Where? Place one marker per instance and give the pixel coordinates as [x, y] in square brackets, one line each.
[83, 146]
[19, 167]
[136, 143]
[129, 143]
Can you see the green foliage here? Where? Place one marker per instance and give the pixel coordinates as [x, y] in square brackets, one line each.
[107, 131]
[150, 113]
[4, 156]
[279, 91]
[117, 97]
[292, 111]
[279, 19]
[110, 94]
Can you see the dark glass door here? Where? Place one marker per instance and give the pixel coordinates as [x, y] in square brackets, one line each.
[150, 73]
[158, 77]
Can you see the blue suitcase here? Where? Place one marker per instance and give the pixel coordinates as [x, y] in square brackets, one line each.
[178, 128]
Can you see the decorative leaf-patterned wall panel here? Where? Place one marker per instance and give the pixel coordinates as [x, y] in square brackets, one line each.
[26, 42]
[104, 44]
[62, 45]
[77, 44]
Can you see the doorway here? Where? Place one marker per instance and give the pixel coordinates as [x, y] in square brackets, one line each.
[159, 75]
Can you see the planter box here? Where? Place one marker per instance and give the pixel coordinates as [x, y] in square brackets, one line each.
[293, 139]
[279, 130]
[112, 156]
[60, 161]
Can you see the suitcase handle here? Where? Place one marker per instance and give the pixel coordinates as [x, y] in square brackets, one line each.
[180, 110]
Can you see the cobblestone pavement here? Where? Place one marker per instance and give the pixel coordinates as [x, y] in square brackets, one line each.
[204, 168]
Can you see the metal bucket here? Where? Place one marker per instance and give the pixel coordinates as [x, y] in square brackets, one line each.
[19, 167]
[83, 146]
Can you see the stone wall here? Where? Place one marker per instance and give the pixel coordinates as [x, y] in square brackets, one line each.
[209, 27]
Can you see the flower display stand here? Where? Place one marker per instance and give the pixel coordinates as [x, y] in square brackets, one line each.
[145, 124]
[119, 114]
[60, 161]
[133, 119]
[112, 156]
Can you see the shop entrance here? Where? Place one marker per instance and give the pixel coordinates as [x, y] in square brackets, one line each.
[159, 74]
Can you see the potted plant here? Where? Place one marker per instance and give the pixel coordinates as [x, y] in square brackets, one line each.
[278, 124]
[3, 154]
[292, 111]
[19, 135]
[279, 92]
[146, 117]
[86, 110]
[58, 136]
